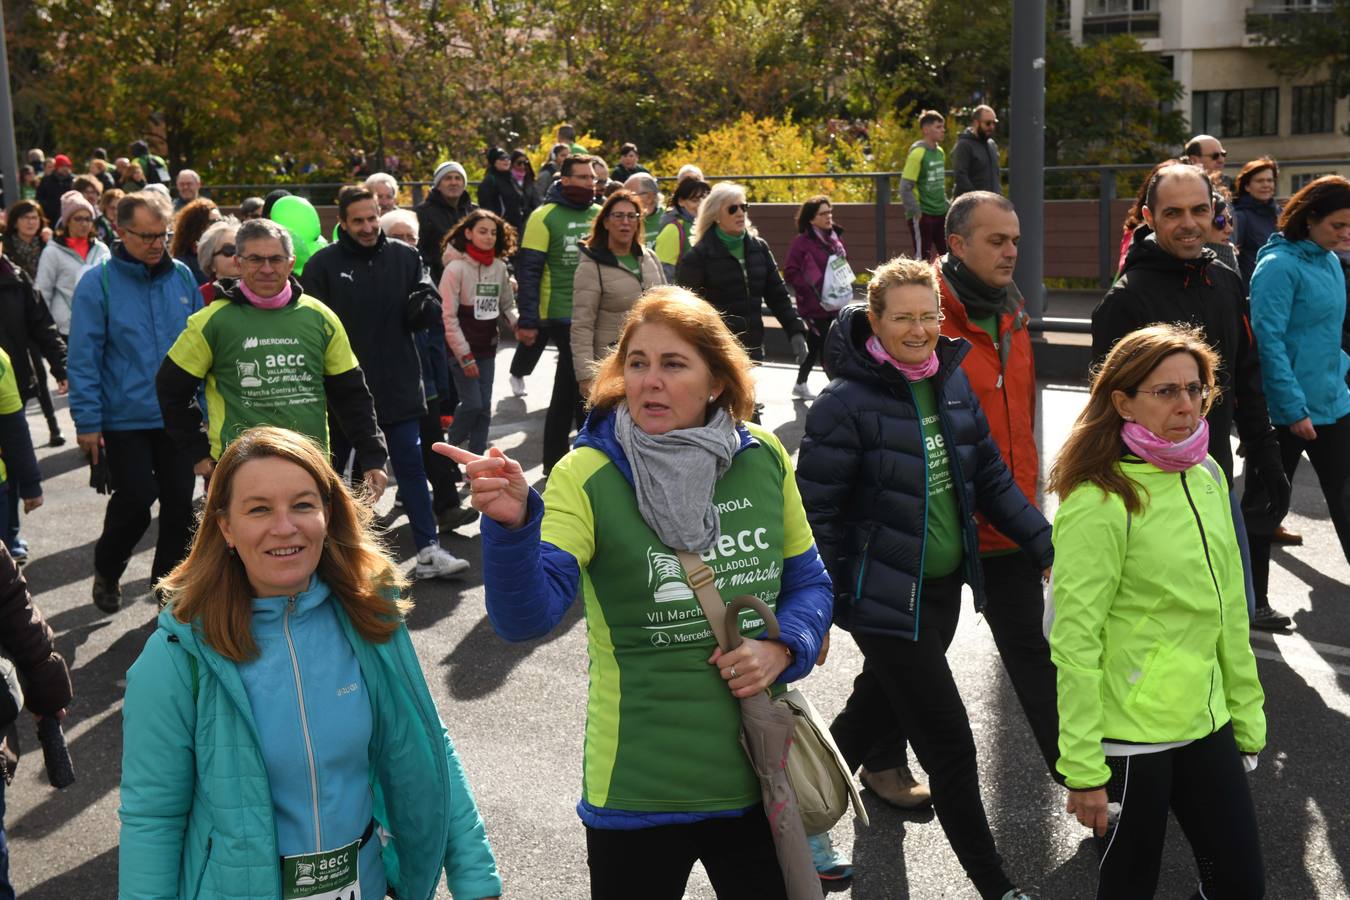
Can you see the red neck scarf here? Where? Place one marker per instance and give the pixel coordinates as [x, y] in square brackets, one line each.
[482, 257]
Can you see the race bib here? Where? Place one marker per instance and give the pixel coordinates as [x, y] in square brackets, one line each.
[330, 875]
[486, 300]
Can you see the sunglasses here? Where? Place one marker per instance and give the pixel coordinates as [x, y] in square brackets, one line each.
[1218, 155]
[227, 250]
[737, 207]
[1221, 221]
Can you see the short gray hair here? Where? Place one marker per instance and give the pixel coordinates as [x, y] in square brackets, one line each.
[212, 240]
[260, 230]
[385, 179]
[406, 216]
[642, 183]
[963, 209]
[158, 204]
[191, 174]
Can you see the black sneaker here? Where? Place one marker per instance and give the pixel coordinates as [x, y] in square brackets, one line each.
[453, 517]
[107, 594]
[1267, 619]
[56, 440]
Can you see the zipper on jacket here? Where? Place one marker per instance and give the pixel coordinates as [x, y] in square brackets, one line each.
[923, 541]
[304, 723]
[1204, 543]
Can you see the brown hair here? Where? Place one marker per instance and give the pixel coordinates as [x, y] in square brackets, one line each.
[1094, 446]
[598, 239]
[1135, 217]
[87, 181]
[108, 198]
[808, 210]
[189, 226]
[899, 272]
[211, 587]
[353, 193]
[694, 320]
[1312, 204]
[574, 161]
[1251, 170]
[458, 237]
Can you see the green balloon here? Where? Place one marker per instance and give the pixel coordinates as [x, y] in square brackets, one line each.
[298, 216]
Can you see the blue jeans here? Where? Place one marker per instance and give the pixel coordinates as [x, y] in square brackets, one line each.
[405, 458]
[473, 413]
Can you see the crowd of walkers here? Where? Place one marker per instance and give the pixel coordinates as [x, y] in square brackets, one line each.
[279, 733]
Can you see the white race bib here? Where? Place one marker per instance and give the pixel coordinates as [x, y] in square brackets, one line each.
[486, 300]
[330, 875]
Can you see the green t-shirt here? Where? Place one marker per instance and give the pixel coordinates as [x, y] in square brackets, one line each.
[630, 262]
[988, 324]
[651, 227]
[942, 549]
[735, 244]
[10, 401]
[661, 727]
[927, 169]
[554, 230]
[264, 366]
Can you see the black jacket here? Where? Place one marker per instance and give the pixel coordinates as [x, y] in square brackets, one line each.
[383, 296]
[499, 193]
[862, 476]
[975, 164]
[1253, 224]
[26, 638]
[349, 402]
[26, 324]
[709, 269]
[435, 218]
[1157, 287]
[49, 191]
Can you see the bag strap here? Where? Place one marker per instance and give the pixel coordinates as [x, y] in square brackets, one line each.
[704, 583]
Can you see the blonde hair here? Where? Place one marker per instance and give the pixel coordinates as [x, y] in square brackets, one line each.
[211, 587]
[899, 272]
[723, 194]
[696, 321]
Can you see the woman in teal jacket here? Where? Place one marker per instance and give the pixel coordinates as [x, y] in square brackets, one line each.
[1298, 307]
[279, 735]
[1160, 706]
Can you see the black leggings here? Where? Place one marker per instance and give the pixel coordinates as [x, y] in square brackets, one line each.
[654, 863]
[816, 329]
[1330, 455]
[1205, 787]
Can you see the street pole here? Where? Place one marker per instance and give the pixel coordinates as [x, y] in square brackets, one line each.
[9, 154]
[1026, 154]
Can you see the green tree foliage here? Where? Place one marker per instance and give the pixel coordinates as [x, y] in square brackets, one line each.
[228, 86]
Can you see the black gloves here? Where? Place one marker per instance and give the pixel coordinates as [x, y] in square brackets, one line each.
[1265, 501]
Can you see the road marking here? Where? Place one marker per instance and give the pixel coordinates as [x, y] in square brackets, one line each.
[1302, 643]
[1299, 653]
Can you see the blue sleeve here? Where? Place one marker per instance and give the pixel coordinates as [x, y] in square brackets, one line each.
[1272, 301]
[529, 584]
[84, 363]
[17, 446]
[529, 276]
[805, 605]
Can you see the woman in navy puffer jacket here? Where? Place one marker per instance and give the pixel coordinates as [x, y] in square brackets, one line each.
[896, 460]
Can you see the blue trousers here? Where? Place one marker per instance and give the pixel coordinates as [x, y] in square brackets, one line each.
[405, 458]
[473, 413]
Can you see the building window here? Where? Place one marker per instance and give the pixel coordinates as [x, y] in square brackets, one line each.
[1300, 180]
[1107, 17]
[1314, 109]
[1251, 112]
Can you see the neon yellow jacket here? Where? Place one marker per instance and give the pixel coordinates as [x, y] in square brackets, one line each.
[1150, 632]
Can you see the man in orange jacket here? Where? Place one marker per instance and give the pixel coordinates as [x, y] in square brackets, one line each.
[981, 304]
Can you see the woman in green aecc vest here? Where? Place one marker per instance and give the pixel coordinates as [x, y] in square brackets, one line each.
[665, 462]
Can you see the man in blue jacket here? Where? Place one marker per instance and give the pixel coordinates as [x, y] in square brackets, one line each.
[124, 317]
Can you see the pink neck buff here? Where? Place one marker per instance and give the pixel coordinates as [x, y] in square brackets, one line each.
[1163, 453]
[280, 299]
[912, 371]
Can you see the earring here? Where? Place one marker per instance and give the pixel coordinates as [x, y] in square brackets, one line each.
[712, 398]
[1129, 418]
[231, 546]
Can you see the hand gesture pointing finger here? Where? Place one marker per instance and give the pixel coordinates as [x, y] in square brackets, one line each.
[497, 486]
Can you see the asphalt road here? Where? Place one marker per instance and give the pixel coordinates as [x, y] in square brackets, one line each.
[516, 711]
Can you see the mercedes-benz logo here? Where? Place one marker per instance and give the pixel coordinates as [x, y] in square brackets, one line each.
[660, 639]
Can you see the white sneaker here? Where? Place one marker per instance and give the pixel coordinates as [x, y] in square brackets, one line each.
[518, 386]
[434, 561]
[802, 392]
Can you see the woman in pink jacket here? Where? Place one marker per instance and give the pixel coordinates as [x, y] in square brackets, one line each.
[475, 292]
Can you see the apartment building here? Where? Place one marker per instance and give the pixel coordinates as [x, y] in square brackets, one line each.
[1229, 88]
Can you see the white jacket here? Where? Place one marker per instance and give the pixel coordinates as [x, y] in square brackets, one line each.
[59, 270]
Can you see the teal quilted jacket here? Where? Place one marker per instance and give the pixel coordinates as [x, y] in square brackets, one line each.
[196, 811]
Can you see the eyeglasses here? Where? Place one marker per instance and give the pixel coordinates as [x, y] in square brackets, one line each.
[83, 218]
[158, 237]
[737, 207]
[624, 217]
[927, 320]
[518, 164]
[1218, 155]
[1169, 393]
[257, 262]
[227, 250]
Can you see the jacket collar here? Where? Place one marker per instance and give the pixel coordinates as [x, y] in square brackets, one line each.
[597, 432]
[133, 264]
[1145, 253]
[350, 246]
[848, 357]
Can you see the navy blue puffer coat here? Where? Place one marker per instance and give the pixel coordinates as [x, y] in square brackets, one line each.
[861, 473]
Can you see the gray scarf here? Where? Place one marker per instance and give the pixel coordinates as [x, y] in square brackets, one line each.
[674, 475]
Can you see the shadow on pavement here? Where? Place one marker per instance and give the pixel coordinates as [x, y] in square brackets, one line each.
[790, 433]
[482, 661]
[49, 571]
[879, 850]
[88, 881]
[67, 459]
